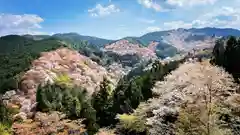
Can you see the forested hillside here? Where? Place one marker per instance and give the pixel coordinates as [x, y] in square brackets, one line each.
[18, 52]
[16, 55]
[75, 103]
[62, 84]
[75, 38]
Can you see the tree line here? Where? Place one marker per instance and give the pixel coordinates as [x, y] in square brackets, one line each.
[226, 53]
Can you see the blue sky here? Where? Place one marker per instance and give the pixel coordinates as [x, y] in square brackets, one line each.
[113, 19]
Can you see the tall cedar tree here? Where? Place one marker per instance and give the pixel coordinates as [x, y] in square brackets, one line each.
[71, 101]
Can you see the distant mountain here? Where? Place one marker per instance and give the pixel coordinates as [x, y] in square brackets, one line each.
[16, 43]
[124, 47]
[169, 42]
[37, 37]
[223, 32]
[134, 40]
[185, 39]
[182, 39]
[11, 43]
[153, 36]
[76, 38]
[72, 38]
[132, 46]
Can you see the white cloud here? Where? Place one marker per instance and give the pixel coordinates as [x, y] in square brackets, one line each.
[169, 5]
[153, 28]
[20, 24]
[149, 21]
[225, 17]
[150, 4]
[100, 10]
[183, 3]
[220, 17]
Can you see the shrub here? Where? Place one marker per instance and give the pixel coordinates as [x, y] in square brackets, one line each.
[72, 101]
[197, 120]
[5, 115]
[63, 79]
[130, 124]
[5, 129]
[5, 120]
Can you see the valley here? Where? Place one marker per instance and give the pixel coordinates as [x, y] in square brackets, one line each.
[175, 82]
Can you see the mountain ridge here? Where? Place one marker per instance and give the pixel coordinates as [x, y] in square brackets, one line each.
[236, 33]
[170, 42]
[191, 34]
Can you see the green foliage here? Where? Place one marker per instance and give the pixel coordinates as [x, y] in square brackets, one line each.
[5, 115]
[63, 79]
[135, 40]
[16, 55]
[102, 101]
[5, 129]
[130, 124]
[72, 101]
[199, 120]
[93, 52]
[164, 51]
[226, 54]
[74, 38]
[129, 92]
[218, 52]
[5, 119]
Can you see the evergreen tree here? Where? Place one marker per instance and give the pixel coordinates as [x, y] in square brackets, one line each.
[228, 56]
[102, 102]
[71, 101]
[134, 94]
[5, 115]
[218, 52]
[230, 53]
